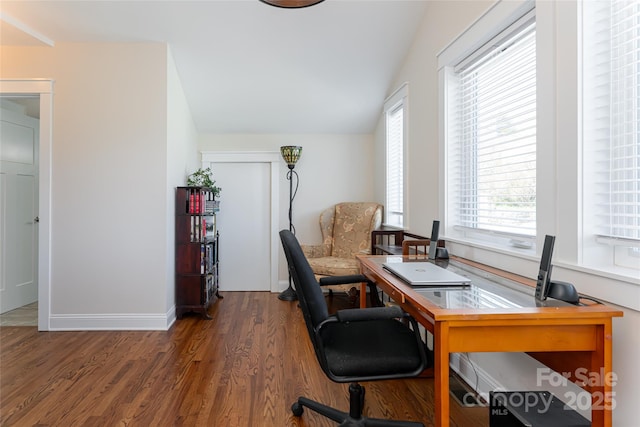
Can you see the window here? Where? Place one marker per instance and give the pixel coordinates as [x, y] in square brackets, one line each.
[491, 139]
[394, 108]
[611, 133]
[575, 189]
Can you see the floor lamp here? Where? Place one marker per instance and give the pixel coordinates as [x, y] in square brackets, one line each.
[290, 154]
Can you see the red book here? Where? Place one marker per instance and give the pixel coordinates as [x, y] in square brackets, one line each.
[191, 202]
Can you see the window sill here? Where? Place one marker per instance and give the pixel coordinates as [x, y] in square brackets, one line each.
[606, 286]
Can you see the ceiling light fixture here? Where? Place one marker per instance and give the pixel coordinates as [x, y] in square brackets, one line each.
[292, 4]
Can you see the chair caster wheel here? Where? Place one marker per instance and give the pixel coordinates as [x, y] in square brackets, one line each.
[297, 409]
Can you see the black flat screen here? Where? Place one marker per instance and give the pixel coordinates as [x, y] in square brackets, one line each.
[433, 244]
[544, 273]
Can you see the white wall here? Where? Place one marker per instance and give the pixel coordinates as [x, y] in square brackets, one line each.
[444, 20]
[182, 160]
[123, 139]
[332, 169]
[442, 23]
[109, 181]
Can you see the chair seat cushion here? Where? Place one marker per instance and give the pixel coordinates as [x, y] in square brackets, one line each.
[372, 348]
[334, 266]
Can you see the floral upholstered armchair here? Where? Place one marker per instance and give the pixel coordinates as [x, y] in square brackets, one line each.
[346, 231]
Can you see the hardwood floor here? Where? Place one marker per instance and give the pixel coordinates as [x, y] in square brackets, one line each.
[244, 368]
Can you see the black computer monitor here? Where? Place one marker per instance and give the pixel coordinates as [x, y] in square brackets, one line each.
[433, 244]
[544, 272]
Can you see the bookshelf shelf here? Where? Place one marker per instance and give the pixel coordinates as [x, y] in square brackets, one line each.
[197, 251]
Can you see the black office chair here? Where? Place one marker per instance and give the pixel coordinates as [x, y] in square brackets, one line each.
[353, 345]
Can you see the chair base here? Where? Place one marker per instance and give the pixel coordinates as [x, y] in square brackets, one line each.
[288, 294]
[354, 417]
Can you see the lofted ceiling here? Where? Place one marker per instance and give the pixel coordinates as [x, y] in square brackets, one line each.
[245, 66]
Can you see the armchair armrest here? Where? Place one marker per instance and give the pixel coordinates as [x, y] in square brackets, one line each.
[374, 313]
[316, 251]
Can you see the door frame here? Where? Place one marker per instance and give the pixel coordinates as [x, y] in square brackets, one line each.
[273, 159]
[44, 89]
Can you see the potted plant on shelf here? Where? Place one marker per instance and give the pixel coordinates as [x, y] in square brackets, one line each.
[202, 178]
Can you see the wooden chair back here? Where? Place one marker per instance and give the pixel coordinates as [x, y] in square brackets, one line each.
[418, 247]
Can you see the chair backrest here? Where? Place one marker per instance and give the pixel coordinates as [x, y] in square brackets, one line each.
[419, 247]
[310, 296]
[327, 218]
[347, 227]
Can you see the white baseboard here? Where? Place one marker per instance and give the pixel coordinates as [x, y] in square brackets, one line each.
[112, 322]
[282, 285]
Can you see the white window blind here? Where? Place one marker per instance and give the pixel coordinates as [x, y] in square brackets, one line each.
[611, 127]
[612, 113]
[395, 170]
[492, 143]
[395, 122]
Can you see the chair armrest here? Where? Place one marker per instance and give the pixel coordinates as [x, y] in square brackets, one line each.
[316, 251]
[374, 313]
[342, 280]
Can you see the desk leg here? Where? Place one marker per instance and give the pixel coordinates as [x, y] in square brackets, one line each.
[601, 393]
[441, 373]
[363, 295]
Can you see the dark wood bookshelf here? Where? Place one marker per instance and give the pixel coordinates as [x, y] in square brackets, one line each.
[197, 251]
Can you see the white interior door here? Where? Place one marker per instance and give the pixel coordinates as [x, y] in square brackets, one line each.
[244, 225]
[19, 137]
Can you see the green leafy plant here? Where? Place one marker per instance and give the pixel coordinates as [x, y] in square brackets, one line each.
[202, 178]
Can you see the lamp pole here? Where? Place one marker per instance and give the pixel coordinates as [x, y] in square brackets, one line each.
[291, 154]
[290, 178]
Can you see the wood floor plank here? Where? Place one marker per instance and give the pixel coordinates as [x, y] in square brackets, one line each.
[243, 368]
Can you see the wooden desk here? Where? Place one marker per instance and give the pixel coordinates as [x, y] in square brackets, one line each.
[548, 330]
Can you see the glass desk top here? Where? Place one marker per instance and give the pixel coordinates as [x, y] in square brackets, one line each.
[486, 291]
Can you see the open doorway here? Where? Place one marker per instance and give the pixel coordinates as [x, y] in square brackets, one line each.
[19, 167]
[40, 93]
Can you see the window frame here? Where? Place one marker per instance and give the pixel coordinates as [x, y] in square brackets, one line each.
[559, 188]
[600, 248]
[398, 99]
[506, 20]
